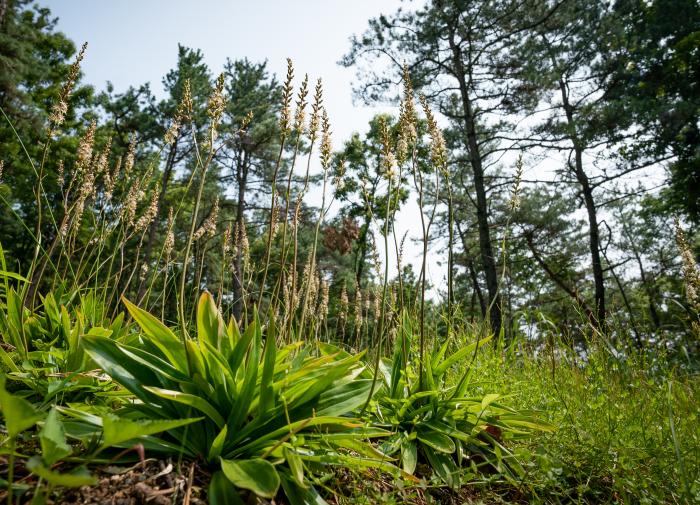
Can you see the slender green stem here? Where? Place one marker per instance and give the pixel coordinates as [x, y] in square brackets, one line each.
[382, 310]
[273, 202]
[190, 238]
[314, 246]
[11, 470]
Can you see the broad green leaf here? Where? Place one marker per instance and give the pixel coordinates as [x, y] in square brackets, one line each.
[210, 325]
[239, 351]
[364, 432]
[100, 332]
[256, 475]
[385, 371]
[194, 354]
[77, 478]
[221, 491]
[12, 275]
[14, 321]
[297, 495]
[19, 413]
[117, 430]
[344, 398]
[248, 388]
[446, 429]
[191, 400]
[325, 376]
[489, 399]
[7, 359]
[357, 445]
[443, 466]
[53, 439]
[351, 461]
[463, 353]
[438, 441]
[294, 427]
[154, 363]
[161, 336]
[266, 390]
[409, 455]
[401, 346]
[296, 466]
[124, 369]
[414, 398]
[218, 366]
[529, 422]
[218, 444]
[429, 376]
[233, 332]
[440, 353]
[116, 325]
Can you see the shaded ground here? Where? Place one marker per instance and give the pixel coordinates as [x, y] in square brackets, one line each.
[154, 482]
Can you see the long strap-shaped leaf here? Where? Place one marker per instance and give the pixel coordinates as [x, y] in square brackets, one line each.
[160, 335]
[125, 370]
[192, 401]
[210, 325]
[266, 390]
[241, 406]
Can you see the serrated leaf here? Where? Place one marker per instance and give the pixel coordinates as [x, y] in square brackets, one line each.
[19, 413]
[53, 439]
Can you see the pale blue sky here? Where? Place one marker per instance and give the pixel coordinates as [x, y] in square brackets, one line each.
[131, 42]
[135, 41]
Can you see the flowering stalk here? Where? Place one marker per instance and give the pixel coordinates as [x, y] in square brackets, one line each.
[215, 109]
[284, 133]
[438, 157]
[326, 151]
[57, 118]
[299, 129]
[390, 165]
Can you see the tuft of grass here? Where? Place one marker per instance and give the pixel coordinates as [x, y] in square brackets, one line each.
[627, 424]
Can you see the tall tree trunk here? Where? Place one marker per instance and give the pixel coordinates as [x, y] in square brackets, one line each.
[485, 248]
[648, 286]
[3, 9]
[472, 273]
[587, 192]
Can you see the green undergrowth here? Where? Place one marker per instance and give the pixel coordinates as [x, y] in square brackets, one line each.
[484, 421]
[627, 425]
